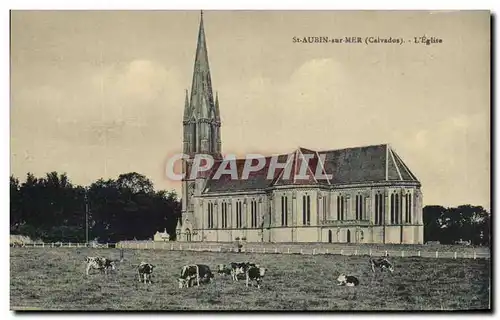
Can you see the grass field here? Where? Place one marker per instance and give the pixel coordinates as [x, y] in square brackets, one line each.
[54, 279]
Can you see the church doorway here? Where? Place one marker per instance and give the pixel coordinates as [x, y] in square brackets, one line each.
[348, 236]
[329, 236]
[188, 235]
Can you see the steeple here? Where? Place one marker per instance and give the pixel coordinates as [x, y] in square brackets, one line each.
[201, 114]
[201, 89]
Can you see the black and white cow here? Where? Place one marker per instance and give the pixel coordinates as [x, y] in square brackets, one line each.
[194, 272]
[145, 271]
[382, 264]
[349, 281]
[240, 268]
[101, 264]
[222, 269]
[254, 273]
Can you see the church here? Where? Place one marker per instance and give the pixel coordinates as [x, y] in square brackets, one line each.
[368, 194]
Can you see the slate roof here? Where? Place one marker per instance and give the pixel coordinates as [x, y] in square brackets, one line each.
[377, 163]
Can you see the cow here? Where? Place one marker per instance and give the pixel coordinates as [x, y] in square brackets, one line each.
[145, 271]
[350, 281]
[254, 273]
[223, 269]
[240, 268]
[382, 264]
[101, 264]
[197, 272]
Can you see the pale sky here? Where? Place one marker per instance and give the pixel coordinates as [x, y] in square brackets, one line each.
[97, 94]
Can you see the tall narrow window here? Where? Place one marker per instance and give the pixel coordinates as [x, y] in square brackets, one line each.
[210, 215]
[284, 211]
[306, 210]
[253, 214]
[408, 208]
[410, 213]
[238, 214]
[340, 208]
[224, 215]
[324, 208]
[379, 209]
[381, 203]
[396, 209]
[359, 207]
[392, 208]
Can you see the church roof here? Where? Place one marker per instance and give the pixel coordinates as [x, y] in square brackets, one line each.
[367, 164]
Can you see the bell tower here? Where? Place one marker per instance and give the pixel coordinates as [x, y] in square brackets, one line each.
[201, 127]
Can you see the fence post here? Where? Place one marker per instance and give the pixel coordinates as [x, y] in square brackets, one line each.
[288, 251]
[180, 247]
[341, 251]
[370, 253]
[326, 251]
[301, 251]
[356, 252]
[69, 244]
[418, 253]
[252, 250]
[437, 254]
[52, 244]
[264, 250]
[455, 255]
[171, 247]
[43, 244]
[314, 251]
[386, 253]
[474, 255]
[402, 253]
[275, 250]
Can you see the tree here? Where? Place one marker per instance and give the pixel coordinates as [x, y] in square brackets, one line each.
[135, 182]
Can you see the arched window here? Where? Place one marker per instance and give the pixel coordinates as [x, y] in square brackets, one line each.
[330, 236]
[348, 236]
[379, 209]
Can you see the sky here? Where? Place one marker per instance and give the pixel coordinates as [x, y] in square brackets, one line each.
[96, 94]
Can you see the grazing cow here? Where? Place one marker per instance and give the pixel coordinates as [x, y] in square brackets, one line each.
[145, 271]
[349, 281]
[256, 274]
[198, 272]
[101, 264]
[240, 268]
[223, 269]
[382, 264]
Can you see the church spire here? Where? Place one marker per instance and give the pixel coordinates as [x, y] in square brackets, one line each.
[201, 89]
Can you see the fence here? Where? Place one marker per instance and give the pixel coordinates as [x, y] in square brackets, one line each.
[273, 249]
[287, 249]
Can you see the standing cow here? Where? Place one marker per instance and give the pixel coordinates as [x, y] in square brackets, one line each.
[145, 271]
[194, 272]
[256, 274]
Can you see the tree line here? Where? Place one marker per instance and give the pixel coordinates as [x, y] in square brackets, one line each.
[449, 225]
[53, 209]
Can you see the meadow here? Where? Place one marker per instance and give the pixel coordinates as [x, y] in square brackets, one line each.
[54, 279]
